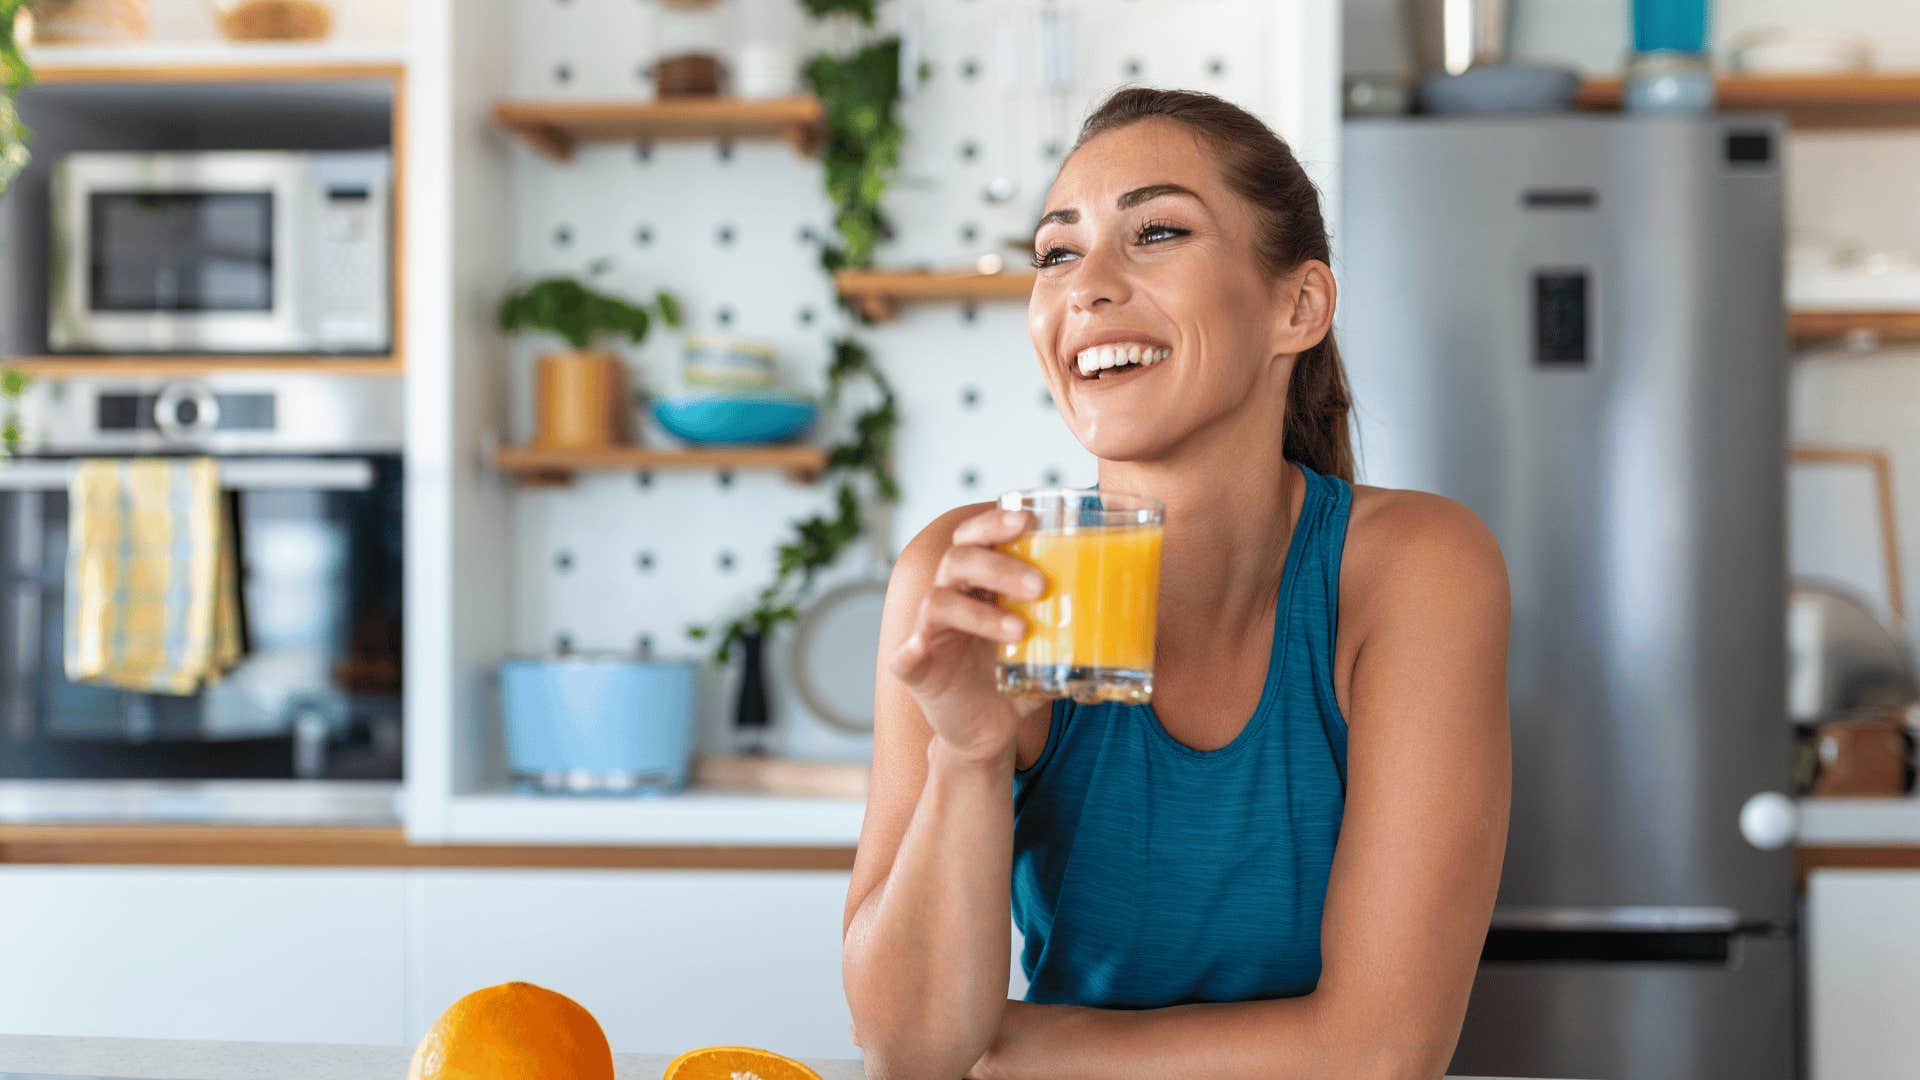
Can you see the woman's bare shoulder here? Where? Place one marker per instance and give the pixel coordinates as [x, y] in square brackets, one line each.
[1403, 544]
[912, 574]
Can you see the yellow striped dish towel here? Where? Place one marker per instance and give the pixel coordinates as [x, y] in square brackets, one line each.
[153, 598]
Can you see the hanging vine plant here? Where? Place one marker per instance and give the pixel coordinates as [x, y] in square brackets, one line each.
[859, 93]
[15, 73]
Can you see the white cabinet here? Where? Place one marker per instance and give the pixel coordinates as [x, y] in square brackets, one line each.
[291, 955]
[1863, 944]
[666, 959]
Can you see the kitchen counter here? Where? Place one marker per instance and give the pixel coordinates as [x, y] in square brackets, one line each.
[250, 845]
[153, 1059]
[1893, 821]
[165, 1060]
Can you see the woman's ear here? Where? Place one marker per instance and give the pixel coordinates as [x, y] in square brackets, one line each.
[1304, 312]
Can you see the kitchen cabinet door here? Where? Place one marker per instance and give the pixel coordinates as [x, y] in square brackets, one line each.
[667, 960]
[280, 955]
[1863, 950]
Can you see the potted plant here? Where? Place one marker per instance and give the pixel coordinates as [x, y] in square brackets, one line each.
[580, 394]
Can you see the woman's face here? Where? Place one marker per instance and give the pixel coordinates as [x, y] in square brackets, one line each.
[1146, 256]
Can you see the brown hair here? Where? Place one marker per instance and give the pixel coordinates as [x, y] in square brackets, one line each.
[1260, 167]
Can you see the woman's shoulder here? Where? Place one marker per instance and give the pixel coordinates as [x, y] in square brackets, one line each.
[1402, 545]
[913, 571]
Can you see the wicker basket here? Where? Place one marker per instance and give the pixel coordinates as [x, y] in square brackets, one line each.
[85, 21]
[274, 20]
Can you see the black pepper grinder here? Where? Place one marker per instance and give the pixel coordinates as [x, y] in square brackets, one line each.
[750, 704]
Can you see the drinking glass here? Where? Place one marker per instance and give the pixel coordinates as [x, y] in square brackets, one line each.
[1090, 635]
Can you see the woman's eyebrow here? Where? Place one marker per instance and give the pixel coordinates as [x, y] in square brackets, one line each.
[1154, 191]
[1069, 216]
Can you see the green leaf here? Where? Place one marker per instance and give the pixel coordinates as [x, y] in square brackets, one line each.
[565, 307]
[669, 308]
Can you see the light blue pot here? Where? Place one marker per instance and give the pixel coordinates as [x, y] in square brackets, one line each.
[599, 725]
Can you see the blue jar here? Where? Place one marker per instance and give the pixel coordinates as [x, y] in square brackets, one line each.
[1670, 26]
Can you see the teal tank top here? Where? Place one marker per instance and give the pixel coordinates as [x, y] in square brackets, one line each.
[1147, 873]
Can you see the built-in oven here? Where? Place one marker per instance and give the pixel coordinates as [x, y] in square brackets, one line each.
[221, 251]
[311, 467]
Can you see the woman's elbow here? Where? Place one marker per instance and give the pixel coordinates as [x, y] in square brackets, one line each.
[918, 1062]
[908, 1037]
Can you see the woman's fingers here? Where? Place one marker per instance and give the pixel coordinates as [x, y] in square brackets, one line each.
[990, 527]
[950, 609]
[975, 568]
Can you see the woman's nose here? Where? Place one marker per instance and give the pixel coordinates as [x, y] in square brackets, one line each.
[1100, 278]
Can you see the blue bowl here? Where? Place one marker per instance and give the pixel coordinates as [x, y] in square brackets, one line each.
[735, 418]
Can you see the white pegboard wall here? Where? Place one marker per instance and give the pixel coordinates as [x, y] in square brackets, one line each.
[611, 562]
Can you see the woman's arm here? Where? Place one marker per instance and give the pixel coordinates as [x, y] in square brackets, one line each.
[926, 952]
[1418, 861]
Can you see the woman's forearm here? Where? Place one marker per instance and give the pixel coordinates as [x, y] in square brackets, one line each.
[926, 955]
[1279, 1039]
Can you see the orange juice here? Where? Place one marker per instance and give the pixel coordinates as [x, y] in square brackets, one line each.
[1090, 635]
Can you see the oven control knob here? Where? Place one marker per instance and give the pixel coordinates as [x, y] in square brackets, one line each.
[183, 410]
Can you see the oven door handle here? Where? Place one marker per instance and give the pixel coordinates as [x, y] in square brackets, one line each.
[277, 474]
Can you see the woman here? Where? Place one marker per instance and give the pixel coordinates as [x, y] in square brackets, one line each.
[1286, 864]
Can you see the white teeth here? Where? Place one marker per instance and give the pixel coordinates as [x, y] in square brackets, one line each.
[1101, 357]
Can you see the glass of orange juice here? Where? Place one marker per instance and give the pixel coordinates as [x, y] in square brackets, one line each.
[1090, 635]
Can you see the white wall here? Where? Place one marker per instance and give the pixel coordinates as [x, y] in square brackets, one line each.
[726, 235]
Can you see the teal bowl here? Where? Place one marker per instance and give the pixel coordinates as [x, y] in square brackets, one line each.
[735, 418]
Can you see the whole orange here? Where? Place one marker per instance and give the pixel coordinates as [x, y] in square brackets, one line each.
[514, 1031]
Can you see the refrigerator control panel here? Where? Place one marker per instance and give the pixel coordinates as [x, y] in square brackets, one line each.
[1560, 323]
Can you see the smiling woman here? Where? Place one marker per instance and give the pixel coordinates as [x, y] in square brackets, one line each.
[1284, 864]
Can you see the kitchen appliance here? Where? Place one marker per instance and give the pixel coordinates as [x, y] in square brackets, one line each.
[227, 251]
[1461, 49]
[586, 724]
[313, 466]
[1574, 327]
[1842, 661]
[1453, 35]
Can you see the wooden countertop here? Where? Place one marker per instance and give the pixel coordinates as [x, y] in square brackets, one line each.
[255, 845]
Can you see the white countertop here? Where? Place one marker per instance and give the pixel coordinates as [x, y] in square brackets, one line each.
[1860, 821]
[155, 1059]
[165, 1060]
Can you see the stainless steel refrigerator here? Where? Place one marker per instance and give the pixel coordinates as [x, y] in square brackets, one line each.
[1573, 325]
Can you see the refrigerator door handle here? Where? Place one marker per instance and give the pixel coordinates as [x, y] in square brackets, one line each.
[1642, 919]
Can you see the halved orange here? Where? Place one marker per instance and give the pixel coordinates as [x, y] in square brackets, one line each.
[736, 1063]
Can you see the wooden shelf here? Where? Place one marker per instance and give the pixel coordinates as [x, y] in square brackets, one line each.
[1810, 327]
[121, 367]
[213, 62]
[879, 293]
[1877, 99]
[554, 127]
[542, 465]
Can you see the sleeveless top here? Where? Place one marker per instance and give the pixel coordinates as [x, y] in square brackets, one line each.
[1147, 873]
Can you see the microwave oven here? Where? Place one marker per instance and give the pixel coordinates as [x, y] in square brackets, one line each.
[221, 252]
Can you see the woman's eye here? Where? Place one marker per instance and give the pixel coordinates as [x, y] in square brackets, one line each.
[1052, 257]
[1154, 233]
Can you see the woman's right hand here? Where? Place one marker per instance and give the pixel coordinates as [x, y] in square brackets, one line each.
[947, 662]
